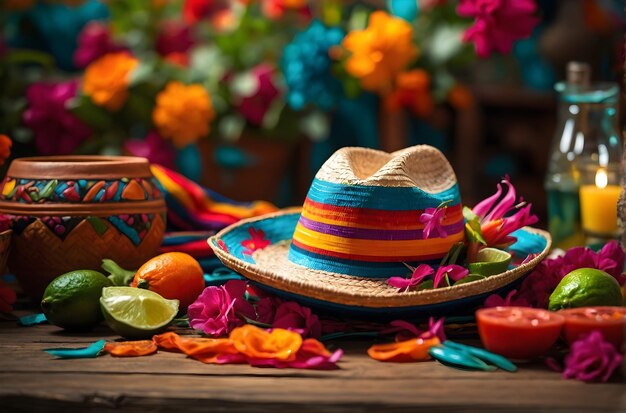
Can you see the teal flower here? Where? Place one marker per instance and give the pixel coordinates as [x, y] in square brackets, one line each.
[306, 65]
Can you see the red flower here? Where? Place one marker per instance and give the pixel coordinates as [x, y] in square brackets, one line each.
[7, 298]
[196, 10]
[256, 242]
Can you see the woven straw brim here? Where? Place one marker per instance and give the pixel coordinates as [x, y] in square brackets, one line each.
[273, 269]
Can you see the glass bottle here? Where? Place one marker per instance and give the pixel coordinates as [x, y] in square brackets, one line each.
[561, 181]
[586, 138]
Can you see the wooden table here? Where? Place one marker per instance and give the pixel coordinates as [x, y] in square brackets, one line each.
[31, 380]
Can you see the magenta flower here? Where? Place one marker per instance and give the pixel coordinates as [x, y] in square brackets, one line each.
[254, 107]
[592, 359]
[453, 272]
[433, 218]
[57, 131]
[293, 316]
[94, 41]
[498, 219]
[174, 37]
[220, 309]
[154, 148]
[512, 299]
[266, 309]
[498, 23]
[406, 331]
[256, 242]
[418, 275]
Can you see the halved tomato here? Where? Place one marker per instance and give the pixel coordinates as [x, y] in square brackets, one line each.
[609, 321]
[518, 332]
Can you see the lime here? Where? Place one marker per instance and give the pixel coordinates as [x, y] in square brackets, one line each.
[586, 287]
[490, 261]
[71, 300]
[135, 313]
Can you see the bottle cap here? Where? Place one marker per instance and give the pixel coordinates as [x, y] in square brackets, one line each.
[578, 73]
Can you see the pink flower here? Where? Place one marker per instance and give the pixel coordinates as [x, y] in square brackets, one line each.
[94, 41]
[174, 37]
[154, 148]
[216, 311]
[611, 259]
[418, 275]
[512, 300]
[433, 218]
[497, 220]
[254, 107]
[592, 359]
[293, 316]
[57, 131]
[256, 242]
[222, 245]
[498, 23]
[453, 272]
[407, 331]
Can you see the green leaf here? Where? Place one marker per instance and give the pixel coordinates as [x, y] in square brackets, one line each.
[472, 226]
[95, 116]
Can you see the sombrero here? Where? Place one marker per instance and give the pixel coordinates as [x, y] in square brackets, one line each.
[360, 225]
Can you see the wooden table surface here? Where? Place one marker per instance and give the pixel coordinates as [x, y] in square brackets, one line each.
[31, 380]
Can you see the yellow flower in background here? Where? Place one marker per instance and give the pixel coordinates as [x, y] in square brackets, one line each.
[106, 79]
[380, 52]
[183, 113]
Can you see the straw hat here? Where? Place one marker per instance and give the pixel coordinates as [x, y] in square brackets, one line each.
[358, 226]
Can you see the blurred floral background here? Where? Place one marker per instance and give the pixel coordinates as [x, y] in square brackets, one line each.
[249, 97]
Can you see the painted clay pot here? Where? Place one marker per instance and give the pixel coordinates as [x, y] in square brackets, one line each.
[70, 212]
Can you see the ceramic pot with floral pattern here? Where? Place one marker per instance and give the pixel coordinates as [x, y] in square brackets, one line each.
[70, 212]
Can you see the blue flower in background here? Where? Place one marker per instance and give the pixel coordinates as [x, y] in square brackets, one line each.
[306, 66]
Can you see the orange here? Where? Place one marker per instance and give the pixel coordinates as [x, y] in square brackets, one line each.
[173, 275]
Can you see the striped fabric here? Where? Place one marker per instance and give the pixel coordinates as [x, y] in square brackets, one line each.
[371, 230]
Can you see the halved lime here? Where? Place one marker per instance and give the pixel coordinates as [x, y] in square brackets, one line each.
[135, 313]
[469, 278]
[490, 261]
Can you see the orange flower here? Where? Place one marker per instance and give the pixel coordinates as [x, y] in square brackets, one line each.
[131, 348]
[460, 97]
[415, 349]
[380, 52]
[5, 148]
[257, 343]
[412, 91]
[106, 79]
[183, 113]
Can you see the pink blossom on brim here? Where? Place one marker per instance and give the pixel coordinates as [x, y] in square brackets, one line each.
[419, 274]
[432, 218]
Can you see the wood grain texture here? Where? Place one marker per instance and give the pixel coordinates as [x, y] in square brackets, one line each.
[31, 381]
